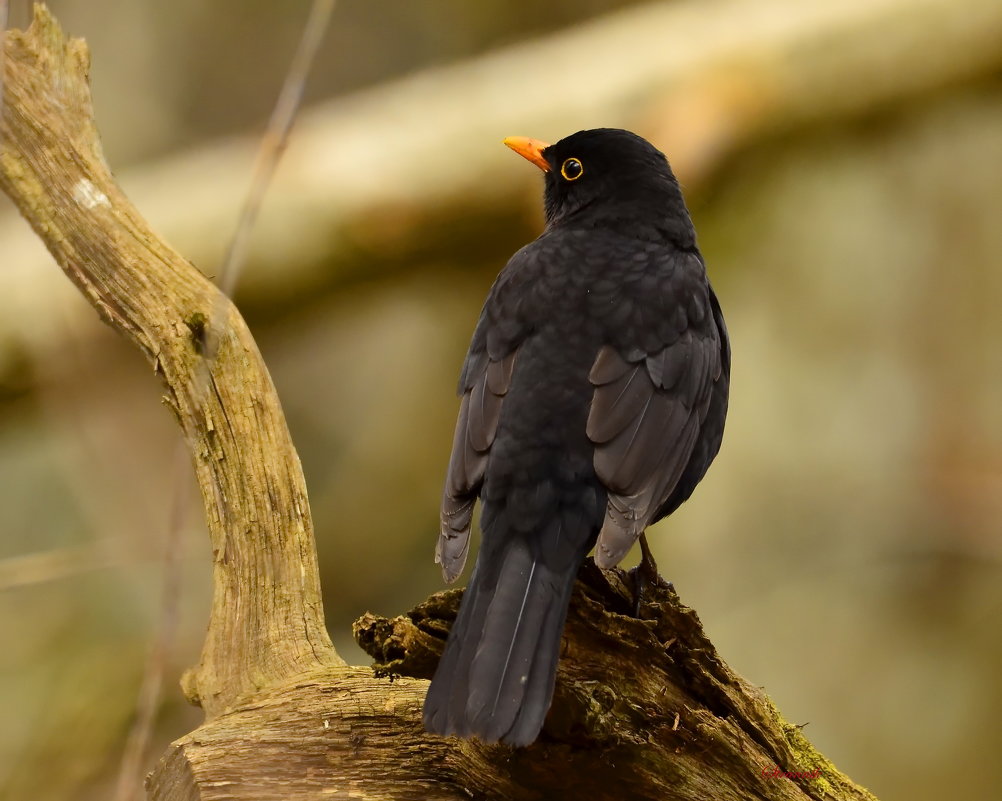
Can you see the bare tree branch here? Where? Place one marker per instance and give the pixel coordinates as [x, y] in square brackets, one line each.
[272, 146]
[275, 139]
[266, 622]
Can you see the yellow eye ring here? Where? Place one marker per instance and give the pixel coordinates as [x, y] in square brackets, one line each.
[571, 169]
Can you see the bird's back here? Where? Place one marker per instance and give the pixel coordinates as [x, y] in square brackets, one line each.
[593, 399]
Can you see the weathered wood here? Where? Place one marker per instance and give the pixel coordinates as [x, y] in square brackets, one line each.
[645, 708]
[266, 621]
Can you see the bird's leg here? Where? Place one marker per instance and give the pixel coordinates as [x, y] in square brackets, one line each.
[644, 575]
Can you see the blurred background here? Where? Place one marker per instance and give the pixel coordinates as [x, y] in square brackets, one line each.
[841, 159]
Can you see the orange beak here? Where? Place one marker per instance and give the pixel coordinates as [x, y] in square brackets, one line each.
[531, 149]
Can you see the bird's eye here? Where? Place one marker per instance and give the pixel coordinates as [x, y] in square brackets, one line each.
[571, 169]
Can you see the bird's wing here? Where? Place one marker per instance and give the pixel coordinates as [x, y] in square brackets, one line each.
[485, 383]
[644, 420]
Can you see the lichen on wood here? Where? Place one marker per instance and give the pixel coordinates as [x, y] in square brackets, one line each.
[646, 690]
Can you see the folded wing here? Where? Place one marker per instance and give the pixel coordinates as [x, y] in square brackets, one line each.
[644, 421]
[486, 382]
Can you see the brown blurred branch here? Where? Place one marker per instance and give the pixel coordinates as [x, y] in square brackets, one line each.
[366, 182]
[285, 718]
[58, 563]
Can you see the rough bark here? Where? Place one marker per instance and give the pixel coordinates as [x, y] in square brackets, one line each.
[645, 707]
[266, 621]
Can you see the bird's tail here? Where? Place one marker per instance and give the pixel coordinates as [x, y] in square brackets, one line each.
[495, 679]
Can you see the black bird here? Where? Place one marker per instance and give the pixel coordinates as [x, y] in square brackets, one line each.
[593, 401]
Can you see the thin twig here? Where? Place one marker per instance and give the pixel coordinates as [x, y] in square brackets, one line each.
[58, 563]
[130, 772]
[275, 138]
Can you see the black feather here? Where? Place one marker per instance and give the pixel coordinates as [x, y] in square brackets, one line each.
[594, 397]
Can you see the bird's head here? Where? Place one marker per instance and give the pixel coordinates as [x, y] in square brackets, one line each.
[609, 178]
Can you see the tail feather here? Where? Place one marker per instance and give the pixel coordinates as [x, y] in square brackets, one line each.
[495, 679]
[539, 693]
[452, 667]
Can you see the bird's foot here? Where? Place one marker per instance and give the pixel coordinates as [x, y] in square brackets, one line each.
[645, 575]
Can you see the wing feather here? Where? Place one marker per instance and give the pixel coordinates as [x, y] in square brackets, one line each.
[487, 381]
[617, 405]
[666, 365]
[608, 367]
[644, 422]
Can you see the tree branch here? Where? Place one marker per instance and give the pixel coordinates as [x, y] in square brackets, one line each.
[266, 622]
[645, 708]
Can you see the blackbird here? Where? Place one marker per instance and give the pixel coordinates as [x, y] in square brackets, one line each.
[593, 401]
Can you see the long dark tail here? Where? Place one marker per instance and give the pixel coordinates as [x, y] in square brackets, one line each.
[495, 679]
